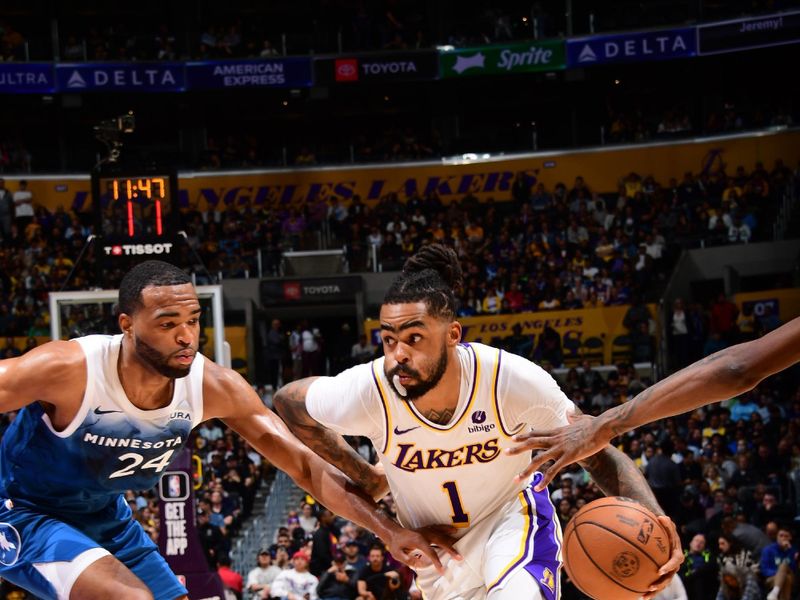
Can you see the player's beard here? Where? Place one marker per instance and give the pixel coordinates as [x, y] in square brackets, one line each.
[423, 386]
[158, 361]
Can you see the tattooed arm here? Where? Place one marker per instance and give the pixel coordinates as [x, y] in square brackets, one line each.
[617, 475]
[717, 377]
[290, 403]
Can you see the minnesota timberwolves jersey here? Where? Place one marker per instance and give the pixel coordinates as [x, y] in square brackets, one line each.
[455, 473]
[109, 447]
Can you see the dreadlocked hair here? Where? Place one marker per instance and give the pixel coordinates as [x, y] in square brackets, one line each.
[433, 276]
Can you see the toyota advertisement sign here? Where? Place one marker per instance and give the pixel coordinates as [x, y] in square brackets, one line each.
[377, 67]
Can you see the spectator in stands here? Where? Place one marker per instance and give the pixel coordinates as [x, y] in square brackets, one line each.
[353, 556]
[699, 570]
[518, 343]
[492, 301]
[750, 537]
[362, 351]
[274, 350]
[23, 207]
[664, 477]
[642, 344]
[549, 348]
[267, 50]
[377, 581]
[771, 510]
[307, 519]
[222, 511]
[296, 350]
[260, 578]
[679, 338]
[738, 583]
[324, 543]
[779, 565]
[296, 583]
[231, 580]
[723, 318]
[636, 314]
[311, 340]
[339, 581]
[282, 558]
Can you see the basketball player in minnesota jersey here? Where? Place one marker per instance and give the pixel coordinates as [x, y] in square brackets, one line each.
[441, 415]
[103, 414]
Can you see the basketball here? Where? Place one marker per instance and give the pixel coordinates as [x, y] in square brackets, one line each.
[613, 548]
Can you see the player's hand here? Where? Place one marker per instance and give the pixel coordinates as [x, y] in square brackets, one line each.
[671, 567]
[417, 547]
[561, 447]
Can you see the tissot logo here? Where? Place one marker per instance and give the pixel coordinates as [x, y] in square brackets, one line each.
[137, 249]
[346, 69]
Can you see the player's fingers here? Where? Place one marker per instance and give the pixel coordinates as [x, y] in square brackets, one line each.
[442, 536]
[533, 440]
[535, 464]
[526, 445]
[548, 473]
[426, 549]
[676, 556]
[657, 586]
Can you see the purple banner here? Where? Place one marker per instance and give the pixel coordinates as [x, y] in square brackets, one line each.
[178, 541]
[27, 78]
[636, 46]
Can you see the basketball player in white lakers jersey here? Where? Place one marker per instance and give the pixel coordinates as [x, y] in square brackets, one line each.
[103, 414]
[441, 415]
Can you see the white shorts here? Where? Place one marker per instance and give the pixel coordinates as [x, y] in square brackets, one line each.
[524, 537]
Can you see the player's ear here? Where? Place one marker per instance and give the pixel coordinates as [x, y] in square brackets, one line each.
[125, 323]
[454, 333]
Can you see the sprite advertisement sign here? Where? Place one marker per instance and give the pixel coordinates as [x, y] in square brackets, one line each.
[524, 57]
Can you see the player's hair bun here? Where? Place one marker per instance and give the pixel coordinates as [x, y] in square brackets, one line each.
[439, 258]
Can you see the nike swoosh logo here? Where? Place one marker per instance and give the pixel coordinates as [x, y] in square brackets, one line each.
[99, 411]
[402, 431]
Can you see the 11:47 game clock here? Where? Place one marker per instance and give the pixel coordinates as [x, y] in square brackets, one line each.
[136, 212]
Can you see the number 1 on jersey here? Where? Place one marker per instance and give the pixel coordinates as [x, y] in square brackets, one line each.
[459, 517]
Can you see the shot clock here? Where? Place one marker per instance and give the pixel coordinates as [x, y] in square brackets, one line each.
[136, 215]
[145, 199]
[134, 206]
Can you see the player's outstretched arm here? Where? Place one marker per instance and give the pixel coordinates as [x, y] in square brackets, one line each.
[717, 377]
[618, 475]
[54, 373]
[290, 402]
[229, 397]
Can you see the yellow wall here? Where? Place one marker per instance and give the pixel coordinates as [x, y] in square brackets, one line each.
[604, 323]
[788, 301]
[601, 168]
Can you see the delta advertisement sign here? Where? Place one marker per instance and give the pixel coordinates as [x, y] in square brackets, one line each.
[632, 47]
[450, 179]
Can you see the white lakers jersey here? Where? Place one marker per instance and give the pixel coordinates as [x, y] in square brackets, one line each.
[455, 473]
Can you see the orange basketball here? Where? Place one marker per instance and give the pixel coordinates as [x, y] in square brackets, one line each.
[613, 548]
